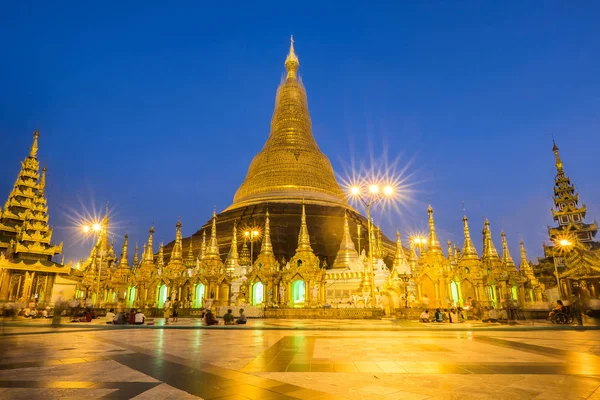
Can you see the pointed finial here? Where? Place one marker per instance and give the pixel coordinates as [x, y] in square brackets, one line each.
[434, 243]
[557, 161]
[42, 183]
[291, 62]
[303, 238]
[34, 145]
[468, 251]
[489, 250]
[267, 246]
[506, 257]
[232, 261]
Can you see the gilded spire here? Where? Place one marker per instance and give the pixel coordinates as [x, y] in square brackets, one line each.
[34, 145]
[245, 255]
[450, 255]
[213, 246]
[123, 262]
[290, 165]
[347, 252]
[412, 254]
[468, 252]
[303, 238]
[291, 62]
[190, 257]
[399, 257]
[506, 257]
[149, 252]
[267, 246]
[489, 250]
[177, 251]
[232, 258]
[434, 244]
[42, 183]
[160, 258]
[203, 246]
[136, 257]
[524, 266]
[557, 160]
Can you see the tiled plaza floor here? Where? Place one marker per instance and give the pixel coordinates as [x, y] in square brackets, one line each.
[402, 361]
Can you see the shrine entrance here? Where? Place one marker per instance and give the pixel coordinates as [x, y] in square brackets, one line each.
[298, 293]
[258, 293]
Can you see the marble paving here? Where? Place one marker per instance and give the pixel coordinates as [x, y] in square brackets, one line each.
[37, 362]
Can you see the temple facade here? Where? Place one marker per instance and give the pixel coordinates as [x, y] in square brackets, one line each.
[27, 272]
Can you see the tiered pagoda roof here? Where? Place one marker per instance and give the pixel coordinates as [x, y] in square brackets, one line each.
[25, 234]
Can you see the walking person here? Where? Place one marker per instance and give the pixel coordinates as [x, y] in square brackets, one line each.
[167, 310]
[175, 313]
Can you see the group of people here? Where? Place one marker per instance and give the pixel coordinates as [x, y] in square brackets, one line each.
[228, 319]
[453, 316]
[133, 317]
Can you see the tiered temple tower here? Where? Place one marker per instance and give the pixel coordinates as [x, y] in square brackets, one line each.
[26, 250]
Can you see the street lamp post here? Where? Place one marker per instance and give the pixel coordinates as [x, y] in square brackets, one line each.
[405, 278]
[375, 194]
[96, 230]
[563, 245]
[252, 235]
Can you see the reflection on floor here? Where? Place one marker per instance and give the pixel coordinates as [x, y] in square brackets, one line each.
[307, 364]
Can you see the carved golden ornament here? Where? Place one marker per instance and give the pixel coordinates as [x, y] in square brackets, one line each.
[290, 166]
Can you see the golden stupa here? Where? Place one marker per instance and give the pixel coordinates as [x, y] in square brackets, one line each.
[290, 166]
[288, 172]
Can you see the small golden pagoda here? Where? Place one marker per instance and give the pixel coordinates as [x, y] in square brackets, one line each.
[26, 250]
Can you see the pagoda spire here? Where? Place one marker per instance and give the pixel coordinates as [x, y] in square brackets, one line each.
[468, 252]
[149, 252]
[489, 250]
[190, 257]
[42, 182]
[177, 251]
[291, 62]
[506, 257]
[267, 246]
[557, 161]
[245, 255]
[399, 257]
[136, 258]
[232, 261]
[203, 246]
[303, 238]
[524, 265]
[212, 250]
[434, 244]
[123, 262]
[34, 146]
[347, 253]
[160, 258]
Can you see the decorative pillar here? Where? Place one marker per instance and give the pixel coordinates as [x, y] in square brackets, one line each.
[460, 296]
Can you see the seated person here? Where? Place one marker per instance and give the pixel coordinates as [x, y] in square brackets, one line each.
[439, 317]
[228, 318]
[485, 316]
[424, 316]
[558, 308]
[453, 316]
[120, 318]
[445, 316]
[493, 315]
[110, 316]
[242, 318]
[209, 318]
[139, 318]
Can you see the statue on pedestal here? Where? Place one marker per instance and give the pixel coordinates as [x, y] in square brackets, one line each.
[282, 294]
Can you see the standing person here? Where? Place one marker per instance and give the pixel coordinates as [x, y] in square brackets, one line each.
[167, 310]
[58, 309]
[576, 307]
[175, 313]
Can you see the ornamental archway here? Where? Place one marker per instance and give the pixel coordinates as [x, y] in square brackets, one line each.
[298, 295]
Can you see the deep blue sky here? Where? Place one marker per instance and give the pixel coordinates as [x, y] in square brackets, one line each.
[160, 109]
